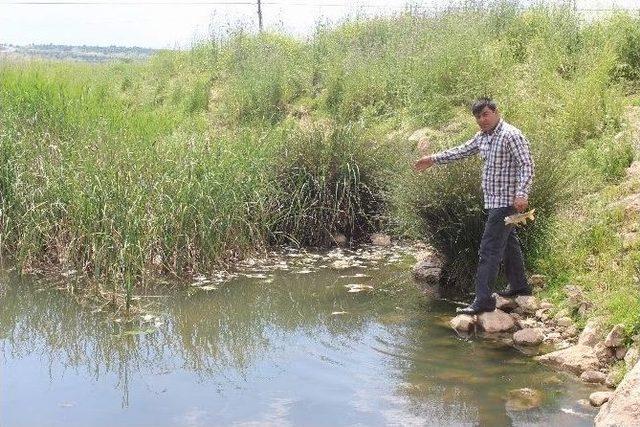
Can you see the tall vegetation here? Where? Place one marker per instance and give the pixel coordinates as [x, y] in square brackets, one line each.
[125, 170]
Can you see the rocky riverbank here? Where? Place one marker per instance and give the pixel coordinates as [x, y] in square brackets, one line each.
[598, 355]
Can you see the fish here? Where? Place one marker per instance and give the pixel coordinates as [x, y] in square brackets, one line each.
[357, 287]
[520, 218]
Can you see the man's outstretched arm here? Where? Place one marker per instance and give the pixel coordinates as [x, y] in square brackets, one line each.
[467, 149]
[460, 152]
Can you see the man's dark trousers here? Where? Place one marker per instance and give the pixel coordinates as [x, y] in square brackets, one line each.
[499, 243]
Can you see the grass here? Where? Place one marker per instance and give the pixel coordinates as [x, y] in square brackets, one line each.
[125, 171]
[595, 246]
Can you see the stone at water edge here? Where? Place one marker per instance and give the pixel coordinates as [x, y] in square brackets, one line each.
[523, 399]
[564, 322]
[606, 355]
[621, 352]
[576, 359]
[611, 380]
[339, 239]
[575, 296]
[615, 336]
[570, 332]
[598, 398]
[632, 357]
[496, 321]
[428, 268]
[561, 313]
[546, 305]
[542, 314]
[463, 323]
[585, 309]
[505, 304]
[553, 337]
[379, 239]
[529, 336]
[595, 377]
[528, 323]
[528, 303]
[592, 333]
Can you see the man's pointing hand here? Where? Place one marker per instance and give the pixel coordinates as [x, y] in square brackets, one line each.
[424, 163]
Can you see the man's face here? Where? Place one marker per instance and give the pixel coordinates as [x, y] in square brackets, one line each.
[487, 119]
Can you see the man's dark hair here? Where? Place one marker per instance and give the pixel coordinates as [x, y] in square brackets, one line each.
[480, 103]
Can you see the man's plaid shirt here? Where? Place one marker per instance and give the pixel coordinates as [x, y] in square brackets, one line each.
[508, 166]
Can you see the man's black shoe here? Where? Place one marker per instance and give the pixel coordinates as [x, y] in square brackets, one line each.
[510, 293]
[475, 309]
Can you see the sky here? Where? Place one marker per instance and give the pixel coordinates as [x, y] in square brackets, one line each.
[179, 23]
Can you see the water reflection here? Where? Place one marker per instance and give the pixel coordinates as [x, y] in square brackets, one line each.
[289, 349]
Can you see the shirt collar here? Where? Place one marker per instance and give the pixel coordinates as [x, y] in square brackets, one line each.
[495, 129]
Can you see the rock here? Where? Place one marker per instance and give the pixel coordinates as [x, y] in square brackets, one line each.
[561, 345]
[537, 280]
[529, 336]
[621, 352]
[520, 310]
[339, 239]
[632, 357]
[517, 317]
[523, 399]
[598, 398]
[553, 337]
[623, 408]
[463, 323]
[542, 314]
[606, 355]
[564, 322]
[496, 321]
[528, 303]
[595, 377]
[612, 379]
[591, 334]
[576, 359]
[379, 239]
[615, 336]
[561, 313]
[575, 296]
[527, 323]
[428, 269]
[570, 332]
[546, 305]
[585, 309]
[505, 304]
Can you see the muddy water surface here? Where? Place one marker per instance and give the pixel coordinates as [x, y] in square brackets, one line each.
[284, 343]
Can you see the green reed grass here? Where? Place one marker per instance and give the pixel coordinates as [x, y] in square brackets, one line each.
[128, 170]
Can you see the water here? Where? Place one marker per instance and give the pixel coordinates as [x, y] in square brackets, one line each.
[266, 351]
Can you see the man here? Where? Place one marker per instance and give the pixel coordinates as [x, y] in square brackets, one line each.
[506, 180]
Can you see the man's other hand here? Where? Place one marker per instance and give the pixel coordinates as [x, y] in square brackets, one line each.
[520, 203]
[424, 163]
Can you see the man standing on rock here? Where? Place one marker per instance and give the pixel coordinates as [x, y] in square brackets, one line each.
[506, 180]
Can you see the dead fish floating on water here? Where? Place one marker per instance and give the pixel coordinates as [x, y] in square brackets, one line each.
[520, 218]
[357, 287]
